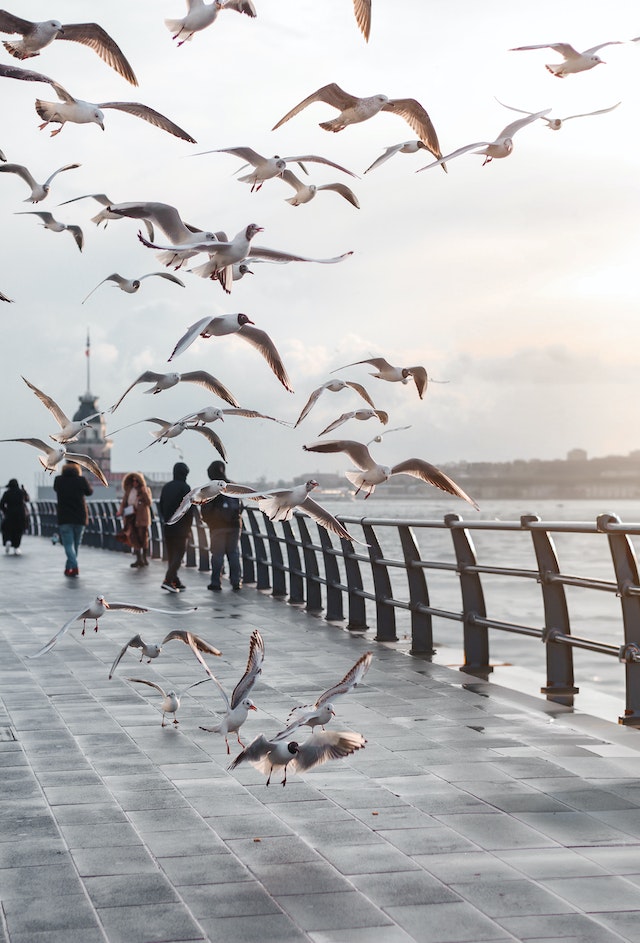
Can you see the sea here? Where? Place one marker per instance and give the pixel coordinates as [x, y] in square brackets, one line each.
[518, 661]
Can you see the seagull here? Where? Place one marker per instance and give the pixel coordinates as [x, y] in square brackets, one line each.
[363, 414]
[320, 713]
[153, 651]
[35, 36]
[279, 753]
[170, 699]
[195, 643]
[201, 14]
[279, 505]
[237, 706]
[82, 112]
[333, 386]
[371, 473]
[406, 147]
[501, 147]
[169, 430]
[52, 457]
[131, 285]
[200, 495]
[362, 10]
[39, 191]
[574, 61]
[265, 168]
[353, 110]
[24, 75]
[147, 651]
[378, 437]
[236, 324]
[55, 226]
[554, 124]
[164, 381]
[385, 371]
[95, 610]
[4, 298]
[306, 192]
[213, 414]
[106, 214]
[167, 218]
[69, 428]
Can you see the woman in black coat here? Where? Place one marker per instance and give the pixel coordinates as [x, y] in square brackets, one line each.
[13, 505]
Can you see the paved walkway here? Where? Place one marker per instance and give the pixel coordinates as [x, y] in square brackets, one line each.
[473, 814]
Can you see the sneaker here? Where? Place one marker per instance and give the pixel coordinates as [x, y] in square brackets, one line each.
[237, 588]
[214, 589]
[17, 552]
[180, 585]
[169, 587]
[74, 572]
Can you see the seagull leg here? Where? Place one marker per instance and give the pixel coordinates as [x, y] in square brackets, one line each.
[239, 740]
[228, 747]
[176, 721]
[269, 777]
[284, 780]
[163, 723]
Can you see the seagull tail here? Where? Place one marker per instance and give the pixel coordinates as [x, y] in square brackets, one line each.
[334, 125]
[17, 49]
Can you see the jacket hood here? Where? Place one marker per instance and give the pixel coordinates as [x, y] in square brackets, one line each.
[180, 471]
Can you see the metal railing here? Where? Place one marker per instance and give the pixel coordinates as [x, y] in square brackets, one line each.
[344, 580]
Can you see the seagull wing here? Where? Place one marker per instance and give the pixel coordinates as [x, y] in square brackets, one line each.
[345, 417]
[362, 10]
[14, 24]
[323, 517]
[331, 94]
[148, 376]
[356, 451]
[313, 158]
[87, 462]
[326, 745]
[94, 36]
[192, 640]
[25, 75]
[313, 399]
[77, 234]
[613, 42]
[189, 337]
[213, 438]
[461, 150]
[202, 378]
[132, 607]
[433, 476]
[20, 171]
[564, 49]
[354, 676]
[252, 414]
[420, 378]
[150, 115]
[100, 197]
[345, 192]
[244, 153]
[418, 119]
[511, 129]
[51, 405]
[172, 278]
[135, 642]
[183, 507]
[378, 362]
[389, 152]
[601, 111]
[44, 216]
[255, 753]
[275, 255]
[358, 387]
[37, 443]
[289, 177]
[265, 346]
[83, 614]
[151, 684]
[59, 171]
[253, 669]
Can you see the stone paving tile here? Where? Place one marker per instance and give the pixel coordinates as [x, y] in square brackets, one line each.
[388, 934]
[60, 879]
[253, 826]
[493, 831]
[363, 859]
[273, 928]
[317, 877]
[562, 927]
[548, 863]
[160, 922]
[48, 913]
[205, 869]
[511, 898]
[575, 828]
[446, 923]
[334, 910]
[229, 900]
[121, 890]
[68, 935]
[122, 859]
[404, 887]
[463, 867]
[602, 893]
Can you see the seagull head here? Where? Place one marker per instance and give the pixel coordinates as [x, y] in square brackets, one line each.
[248, 703]
[243, 269]
[252, 229]
[292, 747]
[280, 164]
[102, 602]
[311, 484]
[244, 319]
[135, 284]
[596, 60]
[97, 117]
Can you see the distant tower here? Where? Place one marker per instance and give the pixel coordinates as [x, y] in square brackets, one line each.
[92, 440]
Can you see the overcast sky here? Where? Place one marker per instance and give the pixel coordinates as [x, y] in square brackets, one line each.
[516, 282]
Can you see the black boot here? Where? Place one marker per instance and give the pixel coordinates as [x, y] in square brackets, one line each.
[138, 560]
[145, 561]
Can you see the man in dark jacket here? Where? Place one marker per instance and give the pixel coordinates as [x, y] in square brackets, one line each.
[176, 536]
[223, 516]
[71, 488]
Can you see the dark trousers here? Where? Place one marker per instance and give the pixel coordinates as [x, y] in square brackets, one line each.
[225, 541]
[175, 546]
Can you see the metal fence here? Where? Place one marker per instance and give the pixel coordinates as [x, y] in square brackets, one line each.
[345, 580]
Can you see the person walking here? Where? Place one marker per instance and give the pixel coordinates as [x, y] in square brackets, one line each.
[15, 516]
[71, 488]
[135, 511]
[176, 536]
[223, 516]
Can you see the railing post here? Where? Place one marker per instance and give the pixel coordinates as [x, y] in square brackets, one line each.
[357, 612]
[202, 533]
[626, 570]
[259, 552]
[385, 615]
[296, 584]
[248, 569]
[314, 596]
[335, 610]
[421, 623]
[560, 680]
[277, 561]
[476, 637]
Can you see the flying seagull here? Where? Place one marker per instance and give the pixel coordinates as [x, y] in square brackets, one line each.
[306, 192]
[55, 225]
[200, 495]
[131, 285]
[201, 14]
[385, 371]
[170, 699]
[53, 456]
[39, 191]
[333, 386]
[69, 428]
[501, 147]
[148, 651]
[36, 36]
[165, 381]
[321, 712]
[106, 214]
[279, 752]
[574, 61]
[169, 430]
[265, 168]
[362, 414]
[354, 110]
[237, 706]
[406, 147]
[554, 124]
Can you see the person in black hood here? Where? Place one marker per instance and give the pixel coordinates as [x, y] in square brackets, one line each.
[176, 536]
[13, 506]
[223, 516]
[71, 488]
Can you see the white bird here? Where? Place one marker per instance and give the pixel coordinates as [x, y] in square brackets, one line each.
[167, 218]
[39, 191]
[77, 111]
[169, 430]
[370, 473]
[54, 225]
[165, 381]
[501, 147]
[321, 712]
[69, 428]
[53, 456]
[236, 324]
[196, 643]
[38, 35]
[333, 386]
[198, 496]
[200, 15]
[280, 753]
[132, 285]
[265, 168]
[4, 298]
[354, 110]
[554, 124]
[213, 414]
[362, 414]
[170, 699]
[406, 147]
[574, 61]
[105, 215]
[306, 192]
[378, 437]
[237, 706]
[279, 505]
[385, 371]
[148, 651]
[95, 610]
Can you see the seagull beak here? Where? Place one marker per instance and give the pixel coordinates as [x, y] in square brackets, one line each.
[248, 271]
[333, 713]
[106, 604]
[101, 125]
[250, 322]
[253, 708]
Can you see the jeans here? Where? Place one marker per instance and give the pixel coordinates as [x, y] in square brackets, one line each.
[175, 546]
[71, 538]
[225, 541]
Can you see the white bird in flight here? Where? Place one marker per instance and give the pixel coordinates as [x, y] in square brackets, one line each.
[574, 61]
[241, 325]
[147, 650]
[501, 147]
[354, 110]
[170, 703]
[362, 414]
[55, 225]
[333, 386]
[105, 215]
[39, 191]
[406, 147]
[265, 168]
[321, 712]
[213, 414]
[38, 35]
[171, 429]
[386, 371]
[370, 473]
[278, 752]
[69, 428]
[132, 285]
[237, 706]
[53, 456]
[167, 218]
[554, 124]
[305, 192]
[200, 15]
[165, 381]
[198, 496]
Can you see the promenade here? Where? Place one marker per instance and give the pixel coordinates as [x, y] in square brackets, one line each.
[473, 814]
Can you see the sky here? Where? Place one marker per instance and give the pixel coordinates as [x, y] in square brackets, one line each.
[515, 282]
